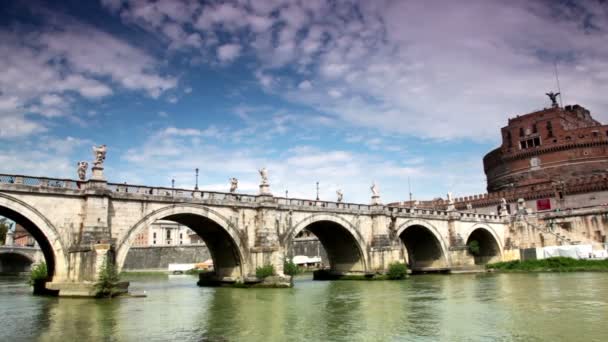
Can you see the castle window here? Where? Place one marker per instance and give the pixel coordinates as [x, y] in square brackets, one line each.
[534, 128]
[529, 143]
[521, 131]
[510, 142]
[549, 129]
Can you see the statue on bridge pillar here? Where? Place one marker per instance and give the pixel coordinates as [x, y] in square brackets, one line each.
[340, 195]
[264, 185]
[10, 235]
[82, 170]
[234, 183]
[99, 152]
[375, 194]
[451, 205]
[503, 208]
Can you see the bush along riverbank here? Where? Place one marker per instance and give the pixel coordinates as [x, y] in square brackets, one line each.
[38, 279]
[558, 264]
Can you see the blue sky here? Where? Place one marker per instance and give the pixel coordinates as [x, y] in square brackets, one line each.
[340, 92]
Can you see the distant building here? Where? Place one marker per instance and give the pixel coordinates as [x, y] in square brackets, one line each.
[165, 233]
[22, 238]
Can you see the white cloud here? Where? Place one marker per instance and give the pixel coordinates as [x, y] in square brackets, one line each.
[16, 125]
[95, 52]
[183, 132]
[43, 68]
[228, 52]
[458, 78]
[49, 156]
[305, 85]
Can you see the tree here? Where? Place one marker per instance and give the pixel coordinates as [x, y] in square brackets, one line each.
[4, 226]
[474, 247]
[107, 285]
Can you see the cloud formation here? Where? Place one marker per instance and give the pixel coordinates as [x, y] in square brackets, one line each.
[45, 69]
[448, 71]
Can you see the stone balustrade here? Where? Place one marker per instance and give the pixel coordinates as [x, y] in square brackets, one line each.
[172, 194]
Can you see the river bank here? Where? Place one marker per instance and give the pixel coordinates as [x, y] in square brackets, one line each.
[558, 264]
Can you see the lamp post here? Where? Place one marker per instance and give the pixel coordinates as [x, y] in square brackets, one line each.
[196, 184]
[317, 191]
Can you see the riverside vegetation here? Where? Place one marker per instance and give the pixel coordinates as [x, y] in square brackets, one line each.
[557, 264]
[107, 286]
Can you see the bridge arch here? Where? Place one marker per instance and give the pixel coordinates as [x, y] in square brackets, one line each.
[490, 246]
[425, 247]
[223, 240]
[43, 231]
[345, 250]
[14, 261]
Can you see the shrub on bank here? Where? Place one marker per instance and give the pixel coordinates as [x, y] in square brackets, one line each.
[107, 284]
[557, 264]
[265, 271]
[290, 268]
[39, 273]
[396, 271]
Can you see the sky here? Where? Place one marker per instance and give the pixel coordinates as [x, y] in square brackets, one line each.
[343, 93]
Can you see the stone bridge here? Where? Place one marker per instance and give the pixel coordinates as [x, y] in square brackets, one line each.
[18, 259]
[78, 224]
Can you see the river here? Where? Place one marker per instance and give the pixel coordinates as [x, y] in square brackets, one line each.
[482, 307]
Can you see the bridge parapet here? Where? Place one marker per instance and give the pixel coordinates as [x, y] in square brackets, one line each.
[165, 194]
[40, 181]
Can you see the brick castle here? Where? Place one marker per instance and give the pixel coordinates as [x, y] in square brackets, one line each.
[555, 158]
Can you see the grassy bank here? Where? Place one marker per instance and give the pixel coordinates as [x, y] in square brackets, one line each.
[558, 264]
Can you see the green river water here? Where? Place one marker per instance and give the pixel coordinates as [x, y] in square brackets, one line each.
[484, 307]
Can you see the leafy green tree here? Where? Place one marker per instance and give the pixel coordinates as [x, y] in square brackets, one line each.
[107, 284]
[265, 271]
[396, 271]
[39, 272]
[290, 268]
[3, 229]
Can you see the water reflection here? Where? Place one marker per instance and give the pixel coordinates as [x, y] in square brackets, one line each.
[525, 307]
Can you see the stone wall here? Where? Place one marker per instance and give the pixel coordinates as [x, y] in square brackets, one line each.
[159, 257]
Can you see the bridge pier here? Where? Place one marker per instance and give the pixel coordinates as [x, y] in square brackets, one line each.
[84, 265]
